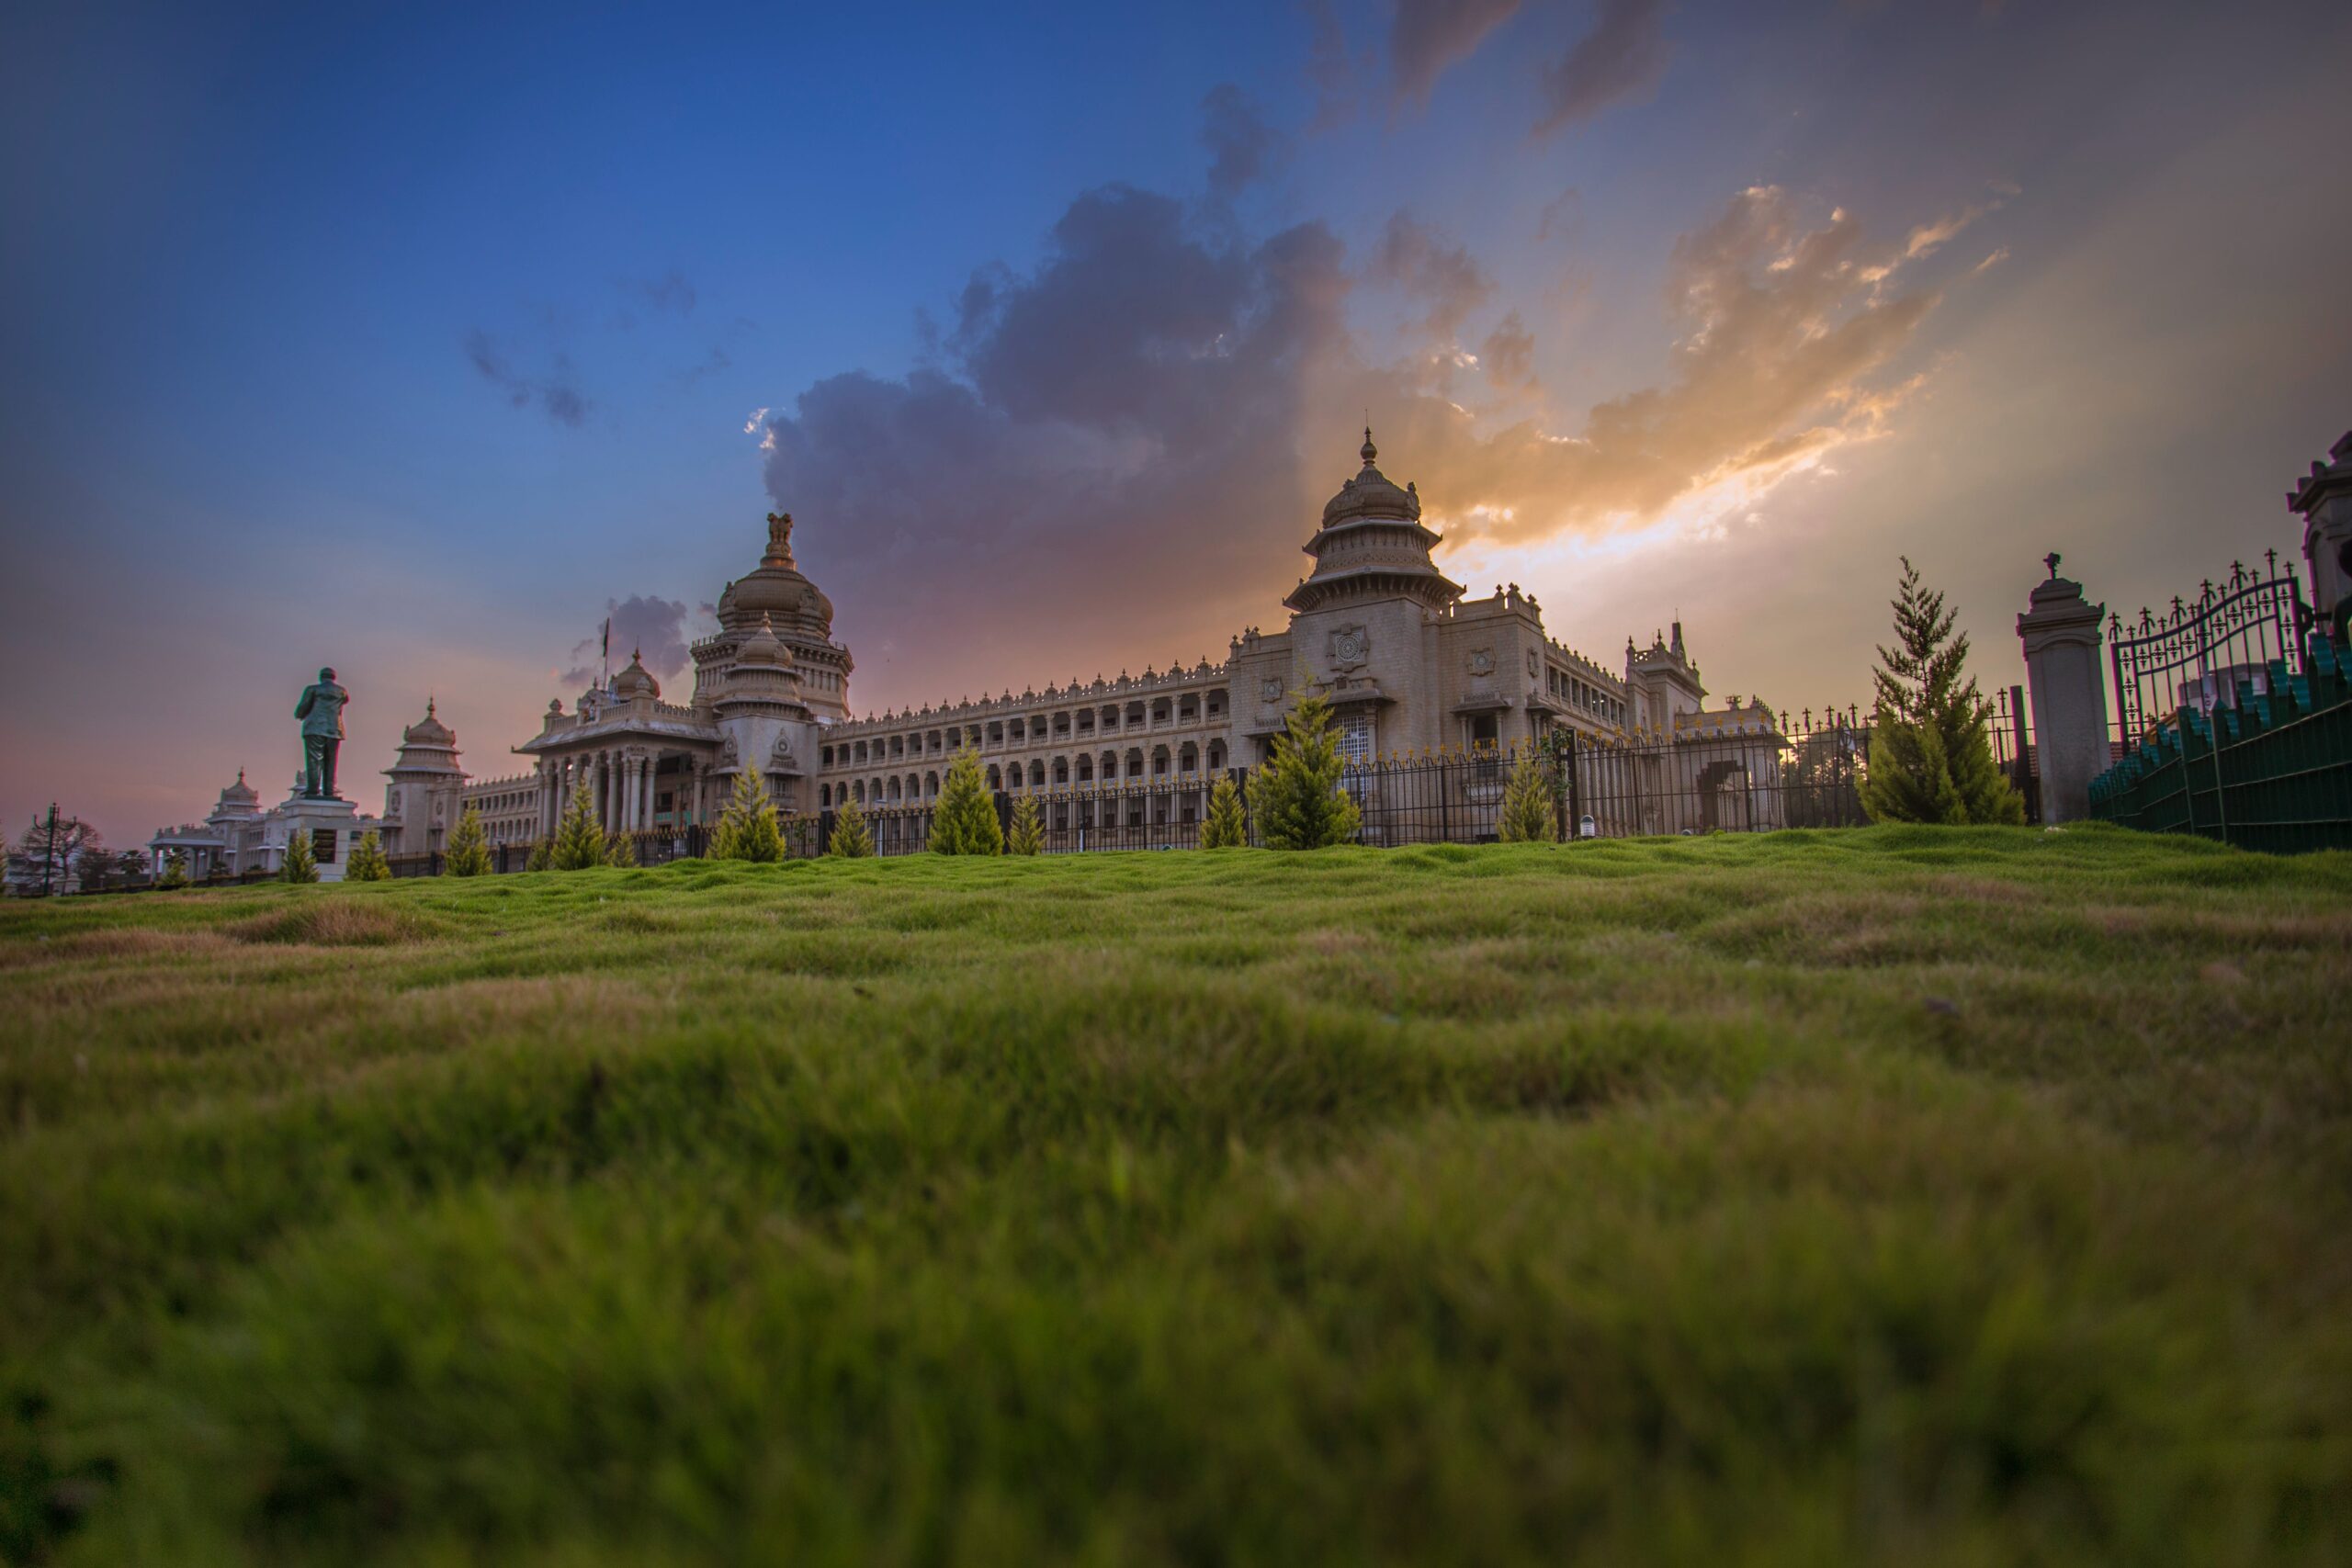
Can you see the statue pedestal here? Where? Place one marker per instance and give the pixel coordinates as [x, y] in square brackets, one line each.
[333, 828]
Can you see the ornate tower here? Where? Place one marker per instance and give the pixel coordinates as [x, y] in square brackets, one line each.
[426, 782]
[797, 615]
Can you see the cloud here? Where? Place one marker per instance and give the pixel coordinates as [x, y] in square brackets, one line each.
[1425, 36]
[1780, 338]
[1622, 59]
[1990, 262]
[671, 291]
[1507, 356]
[1239, 140]
[558, 393]
[1118, 452]
[654, 629]
[1328, 70]
[758, 415]
[1444, 278]
[1560, 215]
[717, 359]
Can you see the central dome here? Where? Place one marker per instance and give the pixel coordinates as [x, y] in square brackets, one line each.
[1372, 494]
[776, 591]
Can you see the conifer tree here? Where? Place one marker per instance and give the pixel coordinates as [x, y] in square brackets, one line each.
[620, 850]
[965, 821]
[1225, 828]
[746, 829]
[469, 851]
[301, 865]
[175, 870]
[1298, 797]
[579, 839]
[851, 841]
[542, 855]
[367, 861]
[1527, 815]
[1931, 755]
[1028, 835]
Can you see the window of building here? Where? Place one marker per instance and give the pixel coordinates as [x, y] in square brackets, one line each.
[1355, 737]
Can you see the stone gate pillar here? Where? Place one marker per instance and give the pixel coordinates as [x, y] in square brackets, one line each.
[2324, 497]
[2061, 634]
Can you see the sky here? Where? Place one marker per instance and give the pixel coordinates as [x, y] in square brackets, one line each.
[418, 341]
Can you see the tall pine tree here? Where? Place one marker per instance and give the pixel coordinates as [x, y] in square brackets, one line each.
[746, 829]
[1931, 754]
[1297, 796]
[469, 851]
[1225, 828]
[579, 838]
[965, 821]
[175, 869]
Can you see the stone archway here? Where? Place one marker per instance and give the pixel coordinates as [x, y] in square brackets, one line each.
[1722, 796]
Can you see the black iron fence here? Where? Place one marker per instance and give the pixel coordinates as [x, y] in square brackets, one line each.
[2197, 657]
[2233, 718]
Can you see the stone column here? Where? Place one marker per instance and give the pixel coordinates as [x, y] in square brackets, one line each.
[2063, 666]
[2325, 499]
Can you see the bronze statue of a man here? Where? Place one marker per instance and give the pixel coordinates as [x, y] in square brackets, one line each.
[320, 711]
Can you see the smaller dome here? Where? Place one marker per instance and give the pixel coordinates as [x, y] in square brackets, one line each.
[428, 730]
[762, 647]
[636, 681]
[238, 794]
[1372, 494]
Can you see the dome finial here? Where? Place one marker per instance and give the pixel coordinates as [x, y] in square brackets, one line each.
[1369, 451]
[429, 706]
[779, 539]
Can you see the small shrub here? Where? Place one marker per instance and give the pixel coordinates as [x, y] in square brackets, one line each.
[747, 829]
[469, 851]
[1226, 827]
[1028, 835]
[175, 869]
[367, 861]
[963, 823]
[1297, 796]
[301, 865]
[542, 855]
[580, 840]
[851, 841]
[1527, 815]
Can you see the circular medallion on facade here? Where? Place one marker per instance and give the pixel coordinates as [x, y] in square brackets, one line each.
[1270, 690]
[1350, 648]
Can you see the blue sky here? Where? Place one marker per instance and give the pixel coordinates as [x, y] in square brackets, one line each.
[407, 340]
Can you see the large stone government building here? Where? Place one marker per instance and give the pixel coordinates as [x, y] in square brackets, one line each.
[1406, 661]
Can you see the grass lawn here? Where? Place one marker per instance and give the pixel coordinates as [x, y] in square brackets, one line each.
[1920, 1196]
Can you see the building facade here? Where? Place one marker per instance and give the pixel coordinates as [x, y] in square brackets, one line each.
[1408, 663]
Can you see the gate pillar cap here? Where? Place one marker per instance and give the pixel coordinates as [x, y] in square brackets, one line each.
[2059, 612]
